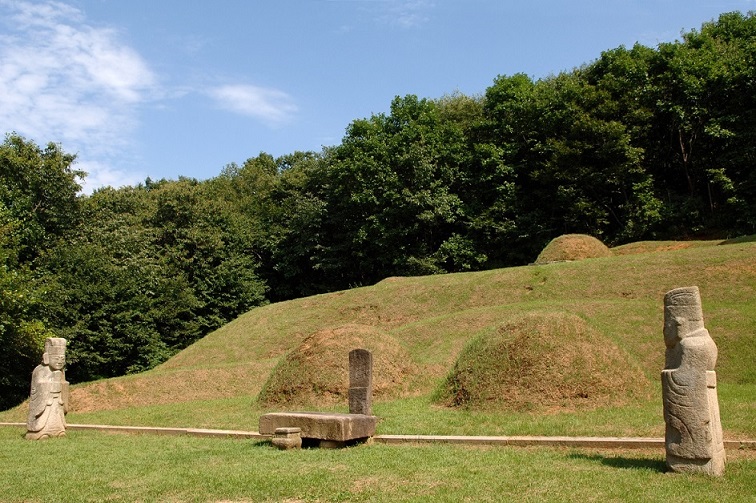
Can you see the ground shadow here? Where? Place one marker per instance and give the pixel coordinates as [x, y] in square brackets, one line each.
[627, 463]
[257, 443]
[742, 239]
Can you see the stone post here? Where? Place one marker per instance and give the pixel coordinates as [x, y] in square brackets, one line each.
[286, 438]
[693, 436]
[361, 382]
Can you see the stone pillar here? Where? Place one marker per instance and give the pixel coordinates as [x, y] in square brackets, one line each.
[693, 436]
[361, 382]
[48, 401]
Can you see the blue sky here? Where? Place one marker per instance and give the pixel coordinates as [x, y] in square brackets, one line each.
[164, 88]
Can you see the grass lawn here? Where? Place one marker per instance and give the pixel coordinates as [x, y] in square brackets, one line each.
[92, 466]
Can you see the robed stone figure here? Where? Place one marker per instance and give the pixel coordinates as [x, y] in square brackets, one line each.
[48, 402]
[693, 434]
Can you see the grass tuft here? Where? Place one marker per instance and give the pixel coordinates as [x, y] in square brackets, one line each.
[317, 370]
[569, 247]
[539, 362]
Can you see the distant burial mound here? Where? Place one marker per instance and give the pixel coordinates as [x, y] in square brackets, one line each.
[541, 362]
[572, 247]
[317, 371]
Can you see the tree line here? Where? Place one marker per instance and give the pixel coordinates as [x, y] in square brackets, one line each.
[642, 143]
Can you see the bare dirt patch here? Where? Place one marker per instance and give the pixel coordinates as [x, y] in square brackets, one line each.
[169, 387]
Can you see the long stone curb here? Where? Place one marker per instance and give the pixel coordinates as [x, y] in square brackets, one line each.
[524, 441]
[154, 430]
[518, 441]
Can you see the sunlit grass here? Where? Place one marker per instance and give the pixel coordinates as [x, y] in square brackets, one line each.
[91, 466]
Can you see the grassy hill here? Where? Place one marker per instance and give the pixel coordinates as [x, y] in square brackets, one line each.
[430, 321]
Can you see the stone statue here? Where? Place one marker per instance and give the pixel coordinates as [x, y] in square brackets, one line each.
[48, 403]
[693, 434]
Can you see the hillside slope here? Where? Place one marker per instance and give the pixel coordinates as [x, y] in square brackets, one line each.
[434, 317]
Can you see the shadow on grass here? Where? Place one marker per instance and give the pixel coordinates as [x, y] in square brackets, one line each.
[657, 465]
[742, 239]
[262, 444]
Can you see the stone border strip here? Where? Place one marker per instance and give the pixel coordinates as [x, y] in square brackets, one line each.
[153, 430]
[524, 441]
[516, 441]
[196, 432]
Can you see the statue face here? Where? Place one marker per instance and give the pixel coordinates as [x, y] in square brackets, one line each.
[57, 360]
[672, 329]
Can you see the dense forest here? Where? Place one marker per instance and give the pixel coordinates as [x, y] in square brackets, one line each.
[642, 143]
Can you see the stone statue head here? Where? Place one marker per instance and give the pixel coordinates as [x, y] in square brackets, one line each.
[683, 314]
[55, 353]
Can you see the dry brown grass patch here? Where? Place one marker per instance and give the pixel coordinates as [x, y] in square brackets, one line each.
[544, 362]
[571, 247]
[660, 246]
[317, 371]
[169, 387]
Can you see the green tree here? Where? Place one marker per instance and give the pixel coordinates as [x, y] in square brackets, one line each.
[39, 189]
[703, 92]
[122, 308]
[38, 205]
[564, 164]
[293, 223]
[21, 333]
[202, 234]
[391, 193]
[503, 154]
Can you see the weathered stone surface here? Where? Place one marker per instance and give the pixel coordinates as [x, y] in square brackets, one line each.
[48, 402]
[360, 368]
[287, 438]
[360, 382]
[693, 436]
[321, 425]
[360, 401]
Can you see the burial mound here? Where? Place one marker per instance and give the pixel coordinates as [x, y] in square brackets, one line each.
[317, 371]
[542, 362]
[572, 247]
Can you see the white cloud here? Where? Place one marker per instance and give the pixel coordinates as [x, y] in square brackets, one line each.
[65, 81]
[103, 174]
[409, 13]
[271, 106]
[402, 13]
[406, 14]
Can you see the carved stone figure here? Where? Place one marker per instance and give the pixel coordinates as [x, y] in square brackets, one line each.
[693, 435]
[48, 402]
